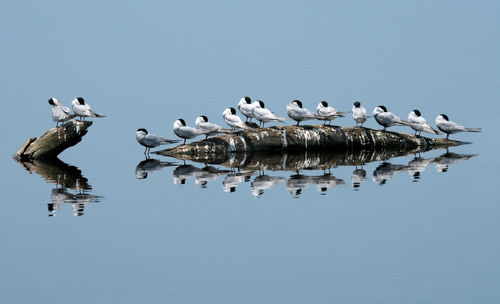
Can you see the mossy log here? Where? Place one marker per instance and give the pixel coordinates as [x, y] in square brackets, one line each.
[297, 139]
[54, 141]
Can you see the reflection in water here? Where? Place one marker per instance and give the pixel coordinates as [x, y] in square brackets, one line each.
[242, 167]
[149, 165]
[65, 177]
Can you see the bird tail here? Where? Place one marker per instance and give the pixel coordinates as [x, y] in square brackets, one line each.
[404, 122]
[94, 114]
[169, 141]
[473, 129]
[281, 119]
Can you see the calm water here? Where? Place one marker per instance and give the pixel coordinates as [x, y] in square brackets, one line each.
[413, 228]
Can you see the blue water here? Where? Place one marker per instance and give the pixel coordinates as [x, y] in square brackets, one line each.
[155, 240]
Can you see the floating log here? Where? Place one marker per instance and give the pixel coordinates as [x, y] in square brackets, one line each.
[54, 141]
[291, 139]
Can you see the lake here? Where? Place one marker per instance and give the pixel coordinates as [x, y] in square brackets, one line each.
[102, 224]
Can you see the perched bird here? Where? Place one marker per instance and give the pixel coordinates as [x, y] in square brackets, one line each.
[206, 127]
[150, 140]
[327, 113]
[82, 109]
[387, 119]
[185, 132]
[449, 127]
[60, 113]
[359, 113]
[296, 112]
[246, 107]
[419, 124]
[233, 120]
[264, 115]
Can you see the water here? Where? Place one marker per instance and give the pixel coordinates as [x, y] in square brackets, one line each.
[156, 239]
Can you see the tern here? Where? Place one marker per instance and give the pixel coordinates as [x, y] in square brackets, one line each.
[233, 120]
[246, 107]
[358, 176]
[264, 115]
[206, 127]
[327, 113]
[150, 140]
[449, 127]
[419, 124]
[82, 109]
[296, 112]
[60, 113]
[185, 132]
[359, 113]
[387, 119]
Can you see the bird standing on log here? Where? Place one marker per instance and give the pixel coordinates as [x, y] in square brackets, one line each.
[359, 113]
[60, 113]
[185, 132]
[206, 127]
[327, 113]
[387, 119]
[296, 112]
[418, 123]
[449, 127]
[150, 140]
[246, 107]
[264, 115]
[233, 120]
[82, 109]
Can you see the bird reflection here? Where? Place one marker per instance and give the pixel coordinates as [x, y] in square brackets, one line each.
[233, 179]
[358, 176]
[386, 171]
[263, 182]
[325, 181]
[417, 165]
[201, 176]
[149, 165]
[297, 182]
[66, 178]
[449, 158]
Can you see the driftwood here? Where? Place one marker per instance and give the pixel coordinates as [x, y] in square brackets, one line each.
[54, 141]
[335, 140]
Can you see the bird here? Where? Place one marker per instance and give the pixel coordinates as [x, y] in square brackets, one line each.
[418, 123]
[327, 113]
[387, 119]
[82, 109]
[185, 132]
[359, 113]
[358, 176]
[60, 113]
[296, 112]
[246, 107]
[233, 120]
[264, 115]
[325, 181]
[263, 182]
[206, 127]
[449, 127]
[149, 165]
[386, 171]
[150, 140]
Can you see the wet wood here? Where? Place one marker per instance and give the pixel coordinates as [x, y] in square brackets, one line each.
[54, 141]
[304, 138]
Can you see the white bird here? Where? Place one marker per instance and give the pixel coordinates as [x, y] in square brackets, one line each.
[325, 181]
[387, 119]
[149, 165]
[327, 113]
[185, 132]
[82, 109]
[449, 127]
[264, 115]
[359, 113]
[206, 127]
[358, 176]
[60, 113]
[263, 182]
[417, 165]
[233, 179]
[386, 171]
[246, 107]
[297, 182]
[418, 123]
[233, 120]
[296, 112]
[150, 140]
[449, 158]
[183, 172]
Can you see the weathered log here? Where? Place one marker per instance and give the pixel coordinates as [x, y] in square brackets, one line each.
[54, 141]
[293, 139]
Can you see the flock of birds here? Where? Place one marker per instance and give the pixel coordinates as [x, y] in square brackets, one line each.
[258, 110]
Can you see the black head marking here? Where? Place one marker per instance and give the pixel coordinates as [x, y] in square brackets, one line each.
[233, 111]
[80, 100]
[248, 100]
[357, 104]
[232, 189]
[182, 121]
[51, 101]
[417, 112]
[323, 189]
[261, 103]
[298, 102]
[324, 103]
[383, 108]
[143, 130]
[204, 118]
[445, 117]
